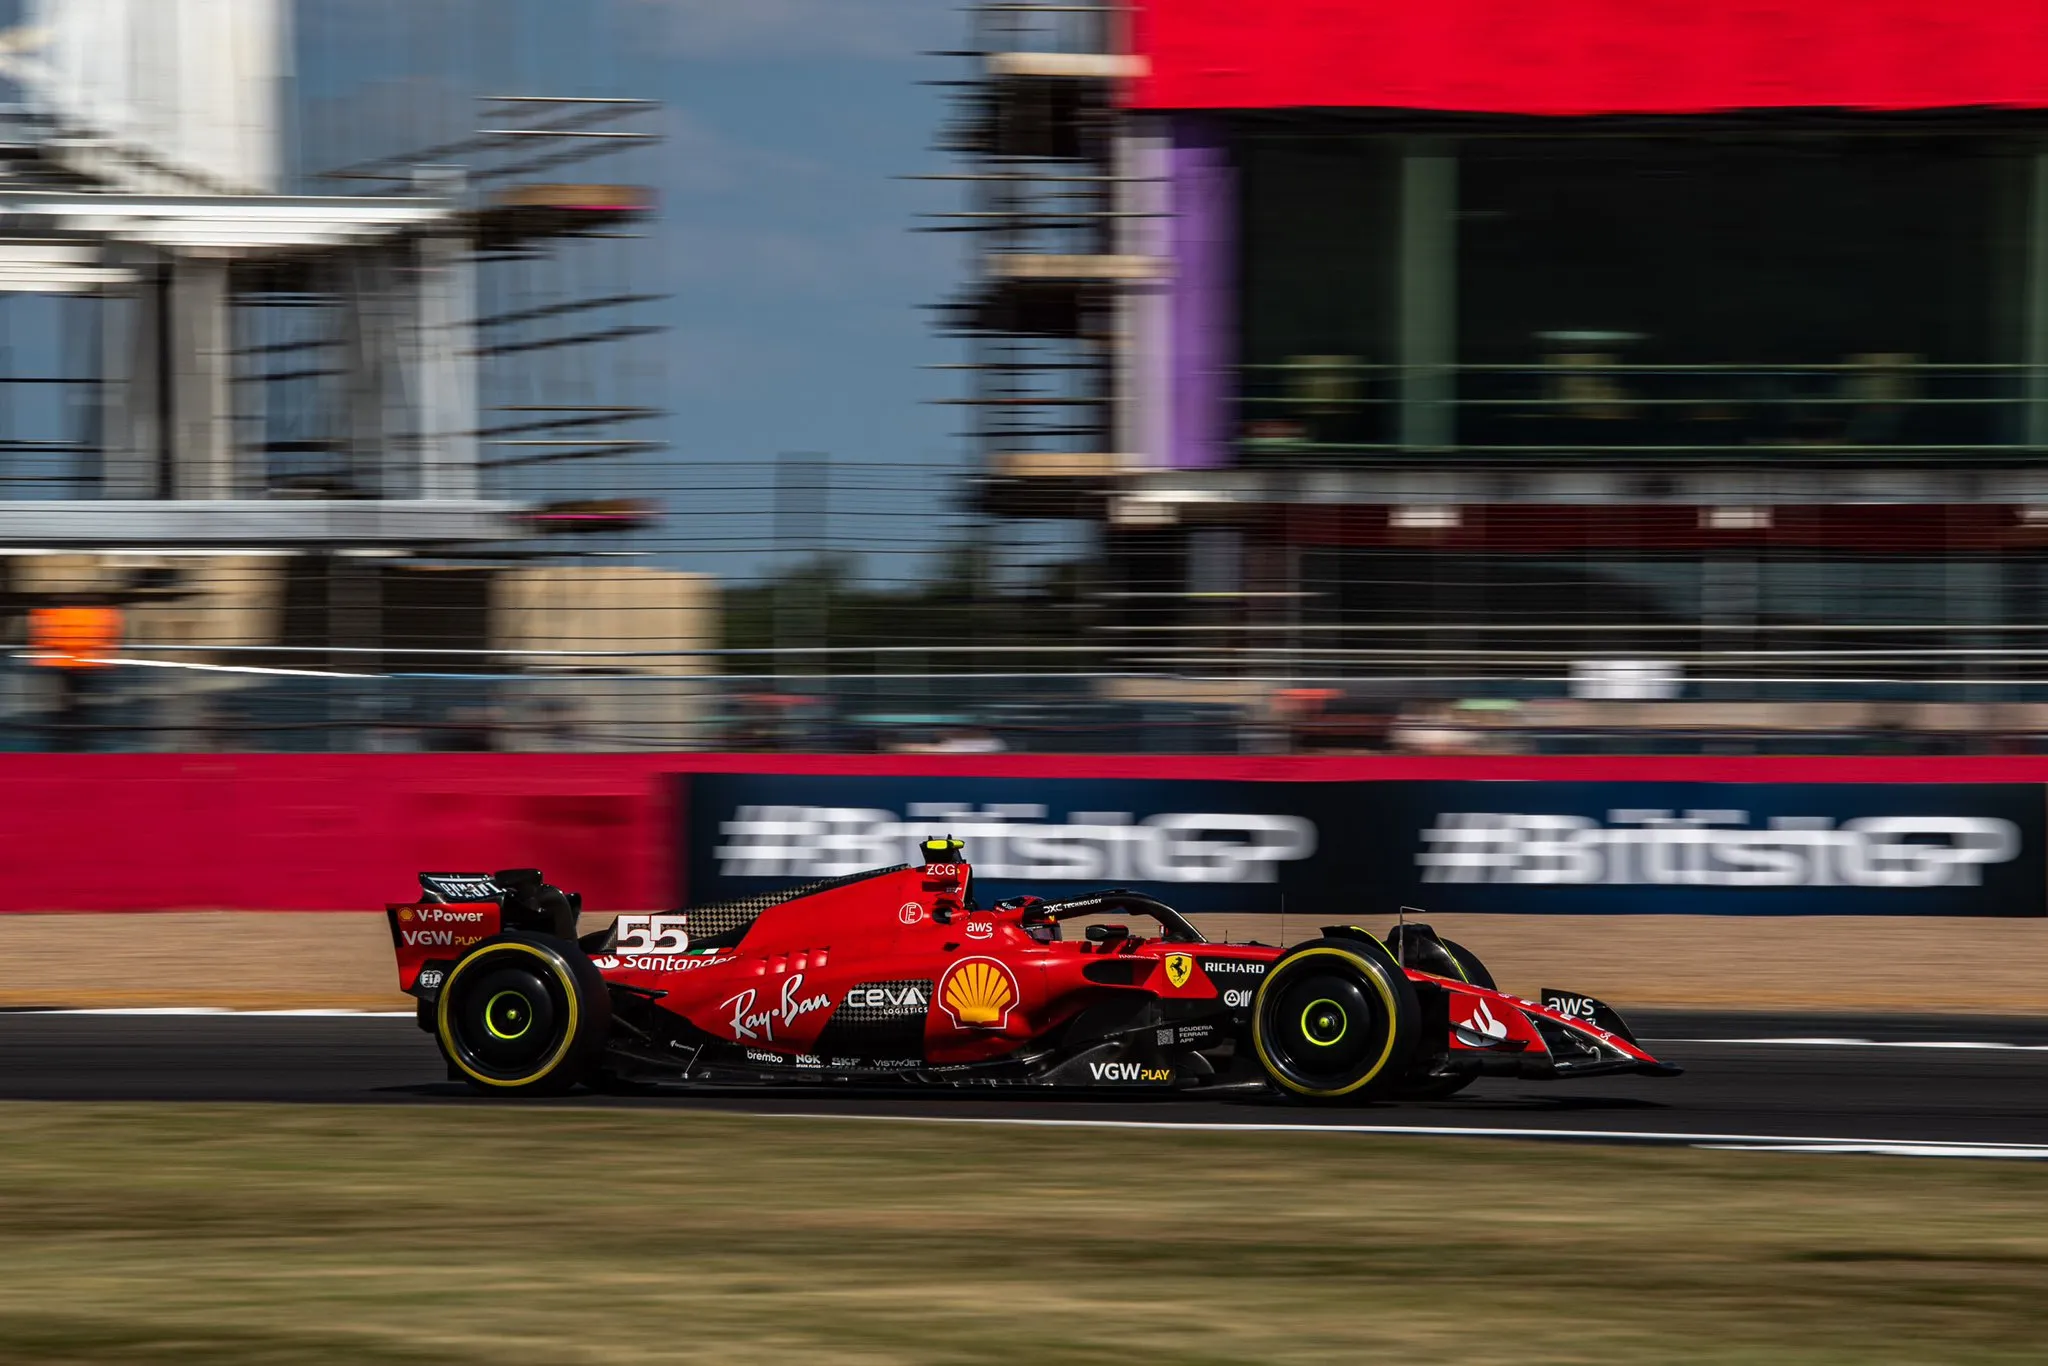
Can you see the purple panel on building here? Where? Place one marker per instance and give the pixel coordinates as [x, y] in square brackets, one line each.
[1203, 189]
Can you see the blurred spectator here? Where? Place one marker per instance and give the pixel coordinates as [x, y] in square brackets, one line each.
[1880, 386]
[73, 643]
[955, 741]
[467, 730]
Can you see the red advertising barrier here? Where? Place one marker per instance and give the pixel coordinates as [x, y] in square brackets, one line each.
[141, 832]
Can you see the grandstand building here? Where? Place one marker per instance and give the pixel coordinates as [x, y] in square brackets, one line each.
[1611, 363]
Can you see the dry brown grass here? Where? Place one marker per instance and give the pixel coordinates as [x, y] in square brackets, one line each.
[235, 1235]
[250, 960]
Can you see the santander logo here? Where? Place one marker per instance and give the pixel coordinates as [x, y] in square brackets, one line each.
[1484, 1021]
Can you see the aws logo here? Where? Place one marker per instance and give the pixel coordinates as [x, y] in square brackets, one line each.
[979, 993]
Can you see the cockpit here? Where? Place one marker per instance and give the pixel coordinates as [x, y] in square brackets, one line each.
[1042, 920]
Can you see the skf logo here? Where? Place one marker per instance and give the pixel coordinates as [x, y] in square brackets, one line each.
[1179, 967]
[979, 993]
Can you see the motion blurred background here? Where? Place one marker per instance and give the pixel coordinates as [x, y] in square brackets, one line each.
[1169, 376]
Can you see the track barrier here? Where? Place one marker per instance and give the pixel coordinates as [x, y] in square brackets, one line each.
[1734, 835]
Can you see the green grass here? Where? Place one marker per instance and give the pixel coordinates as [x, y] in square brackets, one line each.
[494, 1234]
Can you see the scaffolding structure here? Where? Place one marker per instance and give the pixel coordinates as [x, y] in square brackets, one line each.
[1064, 224]
[212, 361]
[282, 442]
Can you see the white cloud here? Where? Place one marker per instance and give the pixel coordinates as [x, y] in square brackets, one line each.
[886, 29]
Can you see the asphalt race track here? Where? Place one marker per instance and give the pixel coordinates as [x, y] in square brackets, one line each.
[1750, 1080]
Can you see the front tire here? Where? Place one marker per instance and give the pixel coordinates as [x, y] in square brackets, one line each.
[1335, 1019]
[522, 1016]
[1469, 965]
[1436, 1088]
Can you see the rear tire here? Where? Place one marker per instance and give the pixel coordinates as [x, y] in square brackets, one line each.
[522, 1016]
[1335, 1019]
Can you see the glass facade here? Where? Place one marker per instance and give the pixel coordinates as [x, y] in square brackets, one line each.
[1320, 327]
[1823, 290]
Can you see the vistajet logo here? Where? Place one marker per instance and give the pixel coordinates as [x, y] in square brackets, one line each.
[1714, 849]
[1016, 841]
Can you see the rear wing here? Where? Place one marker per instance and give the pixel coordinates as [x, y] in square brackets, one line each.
[455, 910]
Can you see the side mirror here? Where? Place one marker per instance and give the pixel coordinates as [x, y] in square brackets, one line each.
[1108, 934]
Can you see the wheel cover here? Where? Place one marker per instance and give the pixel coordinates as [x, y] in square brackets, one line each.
[508, 1016]
[1324, 1023]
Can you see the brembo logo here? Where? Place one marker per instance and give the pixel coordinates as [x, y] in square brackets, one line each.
[1714, 849]
[1016, 841]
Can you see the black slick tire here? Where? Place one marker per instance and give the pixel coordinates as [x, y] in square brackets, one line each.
[522, 1015]
[1335, 1020]
[1473, 971]
[1435, 1088]
[1468, 962]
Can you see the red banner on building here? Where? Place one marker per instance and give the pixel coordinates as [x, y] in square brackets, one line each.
[1579, 57]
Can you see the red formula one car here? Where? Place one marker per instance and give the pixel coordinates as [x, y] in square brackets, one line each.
[897, 976]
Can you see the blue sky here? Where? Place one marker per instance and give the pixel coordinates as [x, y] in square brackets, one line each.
[786, 221]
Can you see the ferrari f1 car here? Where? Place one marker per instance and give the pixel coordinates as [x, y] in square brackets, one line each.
[897, 976]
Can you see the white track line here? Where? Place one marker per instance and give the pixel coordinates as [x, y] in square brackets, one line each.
[1790, 1143]
[1878, 1148]
[223, 1010]
[1961, 1045]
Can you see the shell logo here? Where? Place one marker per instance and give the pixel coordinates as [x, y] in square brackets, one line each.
[405, 915]
[979, 993]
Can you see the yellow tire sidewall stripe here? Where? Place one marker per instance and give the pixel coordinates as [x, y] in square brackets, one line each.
[554, 966]
[1373, 973]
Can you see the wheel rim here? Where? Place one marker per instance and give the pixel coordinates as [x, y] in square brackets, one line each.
[506, 1018]
[1323, 1027]
[1324, 1023]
